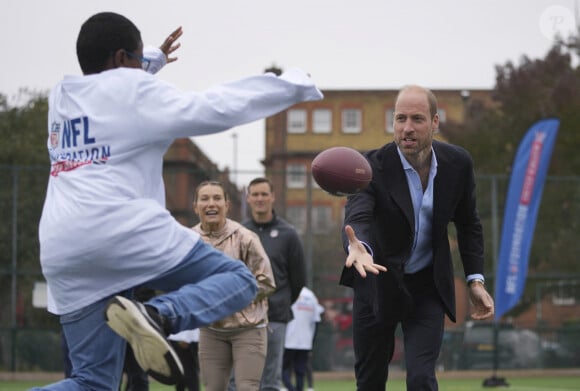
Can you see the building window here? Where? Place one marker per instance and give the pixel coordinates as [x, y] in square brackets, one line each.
[442, 115]
[321, 219]
[296, 215]
[322, 121]
[296, 121]
[442, 118]
[389, 120]
[314, 183]
[296, 176]
[565, 295]
[351, 120]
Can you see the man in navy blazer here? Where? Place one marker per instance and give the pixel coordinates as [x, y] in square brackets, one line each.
[399, 261]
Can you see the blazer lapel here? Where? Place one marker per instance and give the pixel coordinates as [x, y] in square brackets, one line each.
[441, 184]
[396, 183]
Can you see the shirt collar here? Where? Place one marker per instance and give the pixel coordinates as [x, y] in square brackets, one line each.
[267, 224]
[407, 165]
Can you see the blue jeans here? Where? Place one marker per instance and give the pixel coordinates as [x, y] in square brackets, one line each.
[205, 287]
[272, 375]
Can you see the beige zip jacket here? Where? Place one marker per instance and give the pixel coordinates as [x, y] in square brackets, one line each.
[240, 243]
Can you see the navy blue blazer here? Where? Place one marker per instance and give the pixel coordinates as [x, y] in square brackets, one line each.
[382, 216]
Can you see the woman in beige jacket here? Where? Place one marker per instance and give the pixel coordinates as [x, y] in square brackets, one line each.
[238, 341]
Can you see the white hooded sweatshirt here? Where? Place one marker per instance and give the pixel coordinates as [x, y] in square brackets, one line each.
[104, 226]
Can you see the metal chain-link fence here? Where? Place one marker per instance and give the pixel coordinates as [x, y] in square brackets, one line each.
[543, 330]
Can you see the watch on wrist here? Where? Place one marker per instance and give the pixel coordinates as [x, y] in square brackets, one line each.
[476, 280]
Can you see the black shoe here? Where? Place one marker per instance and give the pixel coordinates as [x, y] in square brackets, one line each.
[130, 319]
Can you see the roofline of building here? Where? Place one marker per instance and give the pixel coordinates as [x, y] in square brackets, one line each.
[375, 90]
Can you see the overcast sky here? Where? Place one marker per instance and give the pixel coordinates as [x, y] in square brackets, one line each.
[362, 44]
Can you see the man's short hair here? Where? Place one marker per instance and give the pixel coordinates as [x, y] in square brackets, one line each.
[101, 36]
[258, 180]
[431, 98]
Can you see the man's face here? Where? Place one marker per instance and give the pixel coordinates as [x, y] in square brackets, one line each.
[260, 198]
[413, 125]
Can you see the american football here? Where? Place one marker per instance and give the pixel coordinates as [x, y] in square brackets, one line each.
[341, 171]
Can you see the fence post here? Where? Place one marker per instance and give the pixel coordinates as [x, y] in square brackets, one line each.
[309, 231]
[14, 264]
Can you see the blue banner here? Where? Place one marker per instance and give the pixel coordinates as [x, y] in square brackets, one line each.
[521, 210]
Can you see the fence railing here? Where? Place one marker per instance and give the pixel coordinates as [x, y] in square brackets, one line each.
[30, 337]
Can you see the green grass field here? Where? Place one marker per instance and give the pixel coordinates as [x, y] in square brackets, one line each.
[515, 384]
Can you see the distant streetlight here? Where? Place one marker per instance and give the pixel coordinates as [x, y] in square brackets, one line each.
[465, 95]
[235, 163]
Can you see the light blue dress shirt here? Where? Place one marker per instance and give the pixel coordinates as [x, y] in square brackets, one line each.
[422, 252]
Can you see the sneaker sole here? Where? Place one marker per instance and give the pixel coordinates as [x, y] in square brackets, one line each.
[152, 351]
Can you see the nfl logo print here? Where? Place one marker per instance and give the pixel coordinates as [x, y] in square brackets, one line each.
[54, 132]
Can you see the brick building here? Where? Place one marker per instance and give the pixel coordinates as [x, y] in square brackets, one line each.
[361, 119]
[185, 166]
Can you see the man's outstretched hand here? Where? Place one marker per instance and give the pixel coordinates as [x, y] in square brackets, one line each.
[359, 257]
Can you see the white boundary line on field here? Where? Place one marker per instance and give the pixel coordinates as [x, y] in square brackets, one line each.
[520, 388]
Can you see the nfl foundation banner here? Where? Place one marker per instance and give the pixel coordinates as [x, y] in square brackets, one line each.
[521, 210]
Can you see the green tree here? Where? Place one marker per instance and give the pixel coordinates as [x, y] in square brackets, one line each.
[524, 93]
[23, 175]
[23, 129]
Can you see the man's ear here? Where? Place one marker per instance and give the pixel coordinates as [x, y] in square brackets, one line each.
[119, 58]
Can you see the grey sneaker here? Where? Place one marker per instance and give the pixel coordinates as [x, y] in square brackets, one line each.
[153, 352]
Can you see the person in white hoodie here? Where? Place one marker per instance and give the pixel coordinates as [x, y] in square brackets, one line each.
[104, 228]
[300, 338]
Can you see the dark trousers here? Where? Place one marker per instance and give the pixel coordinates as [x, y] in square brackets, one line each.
[295, 362]
[374, 342]
[188, 354]
[137, 379]
[309, 377]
